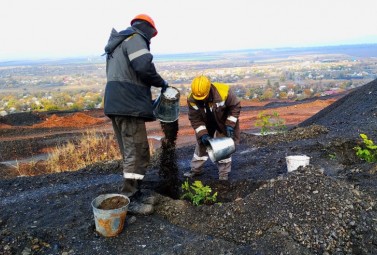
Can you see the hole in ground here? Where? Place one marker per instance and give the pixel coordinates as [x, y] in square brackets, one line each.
[170, 185]
[230, 191]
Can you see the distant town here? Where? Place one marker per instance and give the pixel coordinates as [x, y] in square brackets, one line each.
[259, 75]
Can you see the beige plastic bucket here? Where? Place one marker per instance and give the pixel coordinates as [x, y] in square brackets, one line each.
[293, 162]
[109, 222]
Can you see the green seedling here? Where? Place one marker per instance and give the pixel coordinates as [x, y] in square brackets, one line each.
[270, 123]
[367, 151]
[197, 193]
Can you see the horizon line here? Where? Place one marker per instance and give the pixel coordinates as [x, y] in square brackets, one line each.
[88, 56]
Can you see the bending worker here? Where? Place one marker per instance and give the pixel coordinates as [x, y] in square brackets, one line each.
[128, 99]
[213, 112]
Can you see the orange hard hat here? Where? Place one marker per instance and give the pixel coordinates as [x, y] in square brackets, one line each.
[200, 87]
[146, 18]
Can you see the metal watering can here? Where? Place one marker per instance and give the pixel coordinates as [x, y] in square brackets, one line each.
[166, 106]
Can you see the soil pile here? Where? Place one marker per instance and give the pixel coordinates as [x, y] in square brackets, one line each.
[304, 210]
[21, 119]
[4, 126]
[23, 135]
[351, 115]
[75, 120]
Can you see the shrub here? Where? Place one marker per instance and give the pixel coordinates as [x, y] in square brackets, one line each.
[92, 147]
[198, 194]
[367, 151]
[270, 123]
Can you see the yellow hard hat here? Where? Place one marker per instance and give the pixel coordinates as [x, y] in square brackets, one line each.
[200, 87]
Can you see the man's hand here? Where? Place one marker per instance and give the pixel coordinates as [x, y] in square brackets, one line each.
[205, 139]
[229, 132]
[164, 87]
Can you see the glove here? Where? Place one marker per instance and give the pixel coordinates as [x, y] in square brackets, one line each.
[229, 131]
[205, 139]
[164, 87]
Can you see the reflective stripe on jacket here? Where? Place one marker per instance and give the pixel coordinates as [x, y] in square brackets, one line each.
[130, 75]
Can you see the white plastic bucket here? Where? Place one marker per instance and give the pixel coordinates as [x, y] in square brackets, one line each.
[293, 162]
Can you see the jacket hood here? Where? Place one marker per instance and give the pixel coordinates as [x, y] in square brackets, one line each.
[117, 37]
[143, 27]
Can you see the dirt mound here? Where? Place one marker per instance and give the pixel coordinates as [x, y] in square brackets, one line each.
[296, 133]
[21, 119]
[302, 212]
[318, 212]
[351, 115]
[76, 120]
[5, 126]
[303, 101]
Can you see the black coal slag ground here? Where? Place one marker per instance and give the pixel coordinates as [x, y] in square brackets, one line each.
[168, 172]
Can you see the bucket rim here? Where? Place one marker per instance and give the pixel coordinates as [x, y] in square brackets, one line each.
[217, 139]
[177, 96]
[105, 196]
[167, 121]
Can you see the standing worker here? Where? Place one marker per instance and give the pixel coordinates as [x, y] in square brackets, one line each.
[213, 112]
[128, 100]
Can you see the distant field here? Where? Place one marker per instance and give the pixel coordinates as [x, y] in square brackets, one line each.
[358, 51]
[263, 74]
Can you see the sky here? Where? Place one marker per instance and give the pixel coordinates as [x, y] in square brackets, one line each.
[36, 29]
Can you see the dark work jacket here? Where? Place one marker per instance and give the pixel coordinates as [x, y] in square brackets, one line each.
[130, 75]
[225, 107]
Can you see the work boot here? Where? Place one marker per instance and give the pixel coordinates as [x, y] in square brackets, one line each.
[128, 188]
[192, 173]
[137, 208]
[148, 197]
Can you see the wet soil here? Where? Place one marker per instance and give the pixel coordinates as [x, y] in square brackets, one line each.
[112, 203]
[168, 172]
[327, 207]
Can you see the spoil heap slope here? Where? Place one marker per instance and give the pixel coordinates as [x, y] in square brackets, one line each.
[351, 115]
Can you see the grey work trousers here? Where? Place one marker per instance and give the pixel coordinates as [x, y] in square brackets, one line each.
[201, 156]
[132, 139]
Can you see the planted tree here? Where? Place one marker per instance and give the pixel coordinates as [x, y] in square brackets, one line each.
[270, 123]
[368, 150]
[197, 193]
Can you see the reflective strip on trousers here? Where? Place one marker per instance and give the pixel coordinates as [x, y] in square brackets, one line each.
[232, 119]
[196, 157]
[225, 160]
[200, 128]
[133, 176]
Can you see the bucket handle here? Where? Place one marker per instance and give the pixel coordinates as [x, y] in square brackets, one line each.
[156, 101]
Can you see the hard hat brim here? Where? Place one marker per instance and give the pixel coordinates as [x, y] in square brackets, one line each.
[199, 98]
